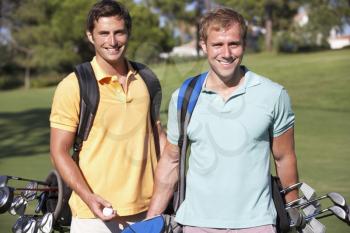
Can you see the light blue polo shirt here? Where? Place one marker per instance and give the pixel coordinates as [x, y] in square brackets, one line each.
[228, 180]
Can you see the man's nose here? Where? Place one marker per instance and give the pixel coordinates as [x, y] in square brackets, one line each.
[226, 51]
[112, 40]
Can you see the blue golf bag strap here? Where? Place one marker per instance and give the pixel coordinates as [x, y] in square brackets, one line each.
[188, 95]
[89, 99]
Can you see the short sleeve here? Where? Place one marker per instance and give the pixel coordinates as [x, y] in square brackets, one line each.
[283, 115]
[65, 105]
[172, 127]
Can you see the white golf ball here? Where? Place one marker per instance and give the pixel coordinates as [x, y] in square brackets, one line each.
[107, 211]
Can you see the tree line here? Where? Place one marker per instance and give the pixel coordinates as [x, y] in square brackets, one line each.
[48, 36]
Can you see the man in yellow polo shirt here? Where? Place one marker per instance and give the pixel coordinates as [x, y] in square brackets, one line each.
[118, 160]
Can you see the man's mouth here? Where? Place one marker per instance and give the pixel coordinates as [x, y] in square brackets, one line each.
[113, 50]
[226, 61]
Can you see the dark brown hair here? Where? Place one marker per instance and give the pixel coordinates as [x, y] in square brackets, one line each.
[221, 18]
[106, 8]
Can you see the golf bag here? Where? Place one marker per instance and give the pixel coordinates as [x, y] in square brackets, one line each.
[188, 95]
[89, 100]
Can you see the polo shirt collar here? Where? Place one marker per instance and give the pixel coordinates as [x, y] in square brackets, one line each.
[102, 76]
[250, 80]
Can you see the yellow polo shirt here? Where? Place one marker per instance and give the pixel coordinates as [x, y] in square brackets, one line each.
[118, 159]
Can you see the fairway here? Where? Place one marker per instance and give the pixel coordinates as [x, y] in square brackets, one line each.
[319, 86]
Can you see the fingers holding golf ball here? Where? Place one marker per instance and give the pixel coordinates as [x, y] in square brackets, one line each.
[107, 211]
[101, 208]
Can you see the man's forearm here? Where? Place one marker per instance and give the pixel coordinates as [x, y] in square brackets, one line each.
[286, 161]
[61, 142]
[288, 174]
[165, 180]
[72, 176]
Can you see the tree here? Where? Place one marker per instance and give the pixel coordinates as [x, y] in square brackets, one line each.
[324, 15]
[147, 39]
[49, 35]
[275, 14]
[180, 13]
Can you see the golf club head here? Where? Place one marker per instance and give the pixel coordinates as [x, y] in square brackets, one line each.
[340, 213]
[42, 199]
[296, 218]
[337, 199]
[311, 209]
[29, 226]
[308, 192]
[30, 195]
[6, 198]
[3, 181]
[18, 226]
[18, 206]
[314, 226]
[46, 223]
[337, 211]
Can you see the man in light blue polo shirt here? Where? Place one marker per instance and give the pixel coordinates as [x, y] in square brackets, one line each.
[239, 119]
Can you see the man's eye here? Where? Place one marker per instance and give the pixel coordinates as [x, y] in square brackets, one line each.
[235, 45]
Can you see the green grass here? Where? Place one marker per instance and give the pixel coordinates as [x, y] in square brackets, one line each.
[319, 86]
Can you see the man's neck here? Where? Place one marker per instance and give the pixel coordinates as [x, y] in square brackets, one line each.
[218, 84]
[119, 68]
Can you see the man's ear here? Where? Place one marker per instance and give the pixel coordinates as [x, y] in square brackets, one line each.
[203, 46]
[90, 37]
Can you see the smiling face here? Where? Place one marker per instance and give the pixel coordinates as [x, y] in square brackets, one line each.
[225, 49]
[109, 38]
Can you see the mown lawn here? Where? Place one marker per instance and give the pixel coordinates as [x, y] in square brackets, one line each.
[319, 86]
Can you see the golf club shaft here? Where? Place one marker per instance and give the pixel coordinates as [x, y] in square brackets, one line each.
[37, 189]
[290, 188]
[309, 217]
[295, 201]
[306, 203]
[24, 179]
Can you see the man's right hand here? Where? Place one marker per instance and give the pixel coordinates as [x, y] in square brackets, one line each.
[97, 204]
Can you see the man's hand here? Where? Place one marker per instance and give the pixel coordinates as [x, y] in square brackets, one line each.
[97, 204]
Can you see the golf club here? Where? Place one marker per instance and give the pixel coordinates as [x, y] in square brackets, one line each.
[336, 210]
[313, 226]
[296, 218]
[290, 188]
[29, 225]
[336, 198]
[6, 198]
[28, 192]
[45, 223]
[295, 201]
[308, 192]
[22, 179]
[3, 181]
[42, 198]
[46, 189]
[18, 206]
[17, 227]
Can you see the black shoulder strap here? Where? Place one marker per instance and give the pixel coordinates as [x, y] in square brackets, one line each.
[153, 86]
[89, 99]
